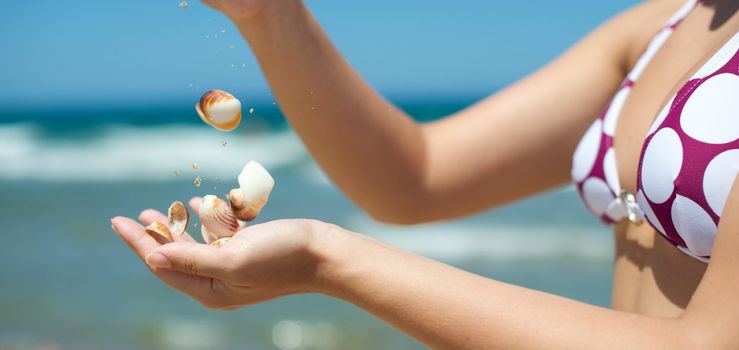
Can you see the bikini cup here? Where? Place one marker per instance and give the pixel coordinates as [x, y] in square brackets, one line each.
[594, 166]
[690, 157]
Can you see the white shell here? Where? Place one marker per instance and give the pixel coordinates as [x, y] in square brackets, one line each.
[255, 186]
[220, 110]
[217, 218]
[208, 236]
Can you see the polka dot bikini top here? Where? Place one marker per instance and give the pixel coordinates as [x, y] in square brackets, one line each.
[688, 161]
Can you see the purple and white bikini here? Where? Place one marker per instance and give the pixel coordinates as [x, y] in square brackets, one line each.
[688, 161]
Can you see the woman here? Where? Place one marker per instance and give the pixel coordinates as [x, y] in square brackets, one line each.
[672, 126]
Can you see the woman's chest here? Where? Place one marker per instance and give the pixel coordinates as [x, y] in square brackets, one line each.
[668, 71]
[667, 146]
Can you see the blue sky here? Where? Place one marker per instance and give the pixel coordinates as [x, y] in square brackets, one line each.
[137, 52]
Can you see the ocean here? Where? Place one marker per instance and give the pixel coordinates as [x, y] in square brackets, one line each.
[68, 282]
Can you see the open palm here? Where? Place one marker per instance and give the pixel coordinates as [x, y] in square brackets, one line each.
[259, 263]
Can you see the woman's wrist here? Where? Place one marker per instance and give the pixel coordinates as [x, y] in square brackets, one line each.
[336, 252]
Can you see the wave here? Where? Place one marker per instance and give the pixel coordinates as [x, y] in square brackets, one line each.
[117, 152]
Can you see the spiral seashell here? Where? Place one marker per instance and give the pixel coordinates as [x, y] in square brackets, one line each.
[220, 110]
[220, 242]
[255, 186]
[178, 218]
[217, 218]
[159, 232]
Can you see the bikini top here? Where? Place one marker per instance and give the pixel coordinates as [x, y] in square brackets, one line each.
[688, 161]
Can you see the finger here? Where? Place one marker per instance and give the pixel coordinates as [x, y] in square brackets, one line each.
[195, 204]
[150, 215]
[140, 242]
[135, 236]
[193, 259]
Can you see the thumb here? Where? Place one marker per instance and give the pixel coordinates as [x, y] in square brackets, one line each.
[192, 259]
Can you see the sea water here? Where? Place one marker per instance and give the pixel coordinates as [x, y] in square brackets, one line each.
[68, 282]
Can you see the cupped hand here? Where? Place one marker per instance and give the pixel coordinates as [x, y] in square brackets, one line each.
[259, 263]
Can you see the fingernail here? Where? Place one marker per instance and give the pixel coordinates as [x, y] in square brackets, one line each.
[112, 225]
[158, 260]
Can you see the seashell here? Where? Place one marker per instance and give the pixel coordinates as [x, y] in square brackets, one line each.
[159, 232]
[220, 242]
[208, 237]
[178, 218]
[217, 218]
[220, 110]
[255, 185]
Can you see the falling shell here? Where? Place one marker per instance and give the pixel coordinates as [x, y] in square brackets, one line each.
[159, 232]
[255, 186]
[217, 218]
[220, 110]
[178, 218]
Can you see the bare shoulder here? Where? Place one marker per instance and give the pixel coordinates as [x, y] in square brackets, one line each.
[640, 23]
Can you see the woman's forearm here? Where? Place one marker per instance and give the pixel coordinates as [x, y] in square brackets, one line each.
[371, 149]
[448, 308]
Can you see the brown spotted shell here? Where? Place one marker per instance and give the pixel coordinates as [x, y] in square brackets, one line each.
[178, 218]
[220, 110]
[159, 232]
[217, 218]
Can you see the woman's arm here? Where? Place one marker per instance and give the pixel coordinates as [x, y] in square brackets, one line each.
[516, 143]
[447, 308]
[439, 305]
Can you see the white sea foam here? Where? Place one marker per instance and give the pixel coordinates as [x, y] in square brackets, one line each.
[126, 153]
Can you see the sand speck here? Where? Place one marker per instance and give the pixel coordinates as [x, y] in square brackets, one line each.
[251, 110]
[183, 5]
[177, 173]
[198, 181]
[195, 166]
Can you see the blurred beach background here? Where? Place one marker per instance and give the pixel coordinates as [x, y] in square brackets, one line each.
[97, 120]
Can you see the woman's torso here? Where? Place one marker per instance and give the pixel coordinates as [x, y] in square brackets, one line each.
[650, 275]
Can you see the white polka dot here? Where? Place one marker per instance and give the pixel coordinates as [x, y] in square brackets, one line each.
[614, 111]
[586, 152]
[719, 59]
[597, 195]
[651, 50]
[647, 209]
[661, 165]
[693, 225]
[719, 177]
[711, 114]
[609, 167]
[661, 116]
[689, 253]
